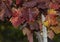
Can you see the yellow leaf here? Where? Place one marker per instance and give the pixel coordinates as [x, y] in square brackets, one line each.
[52, 11]
[56, 29]
[46, 23]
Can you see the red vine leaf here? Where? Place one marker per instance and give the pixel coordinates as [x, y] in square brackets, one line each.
[54, 5]
[16, 20]
[33, 13]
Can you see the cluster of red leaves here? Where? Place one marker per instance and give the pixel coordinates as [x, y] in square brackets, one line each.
[23, 14]
[5, 11]
[6, 4]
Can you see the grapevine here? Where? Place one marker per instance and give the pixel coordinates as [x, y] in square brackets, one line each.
[29, 12]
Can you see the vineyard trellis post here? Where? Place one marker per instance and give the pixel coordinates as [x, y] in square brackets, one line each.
[44, 29]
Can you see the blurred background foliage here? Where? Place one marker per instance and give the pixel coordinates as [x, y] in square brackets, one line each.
[10, 34]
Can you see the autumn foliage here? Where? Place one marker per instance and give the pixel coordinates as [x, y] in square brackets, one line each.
[29, 12]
